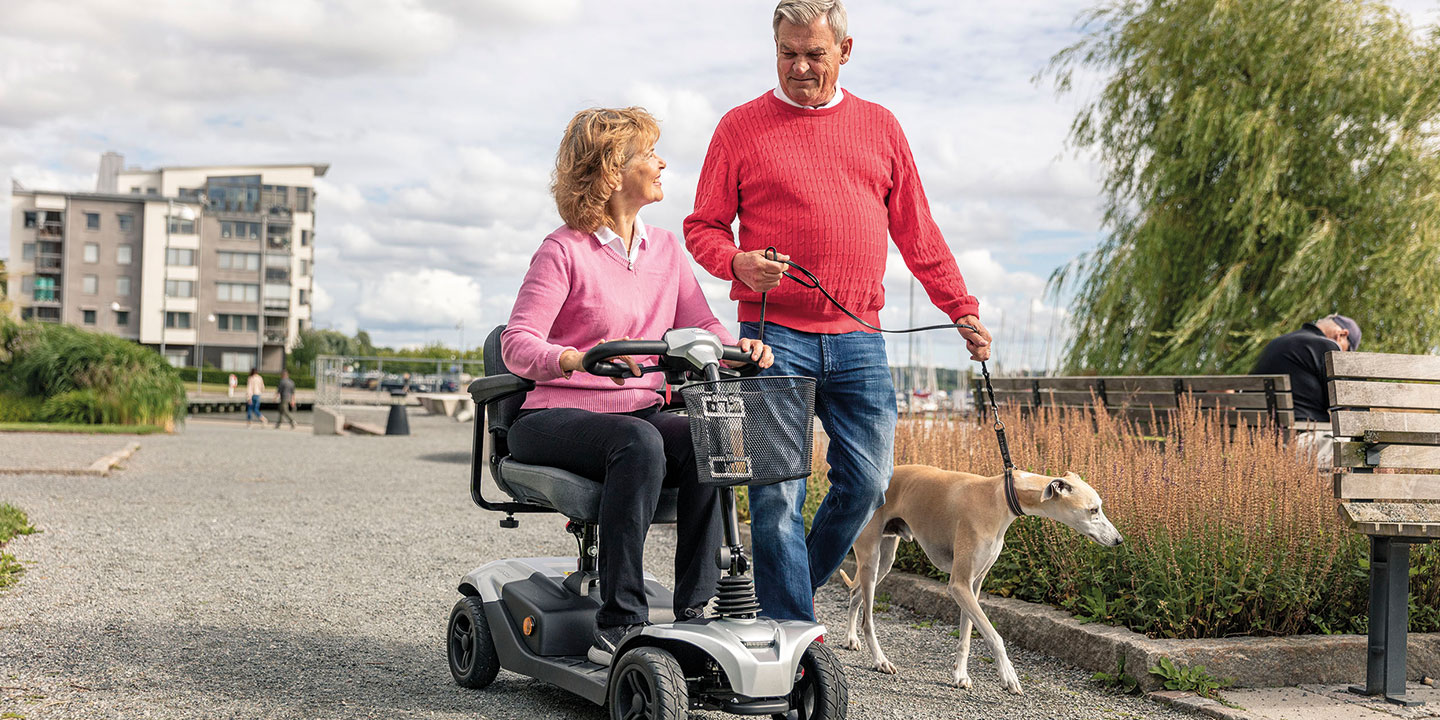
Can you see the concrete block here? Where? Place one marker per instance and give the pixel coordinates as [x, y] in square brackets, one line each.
[327, 421]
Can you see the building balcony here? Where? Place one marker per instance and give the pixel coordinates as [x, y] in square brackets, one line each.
[50, 231]
[277, 305]
[277, 275]
[275, 336]
[47, 263]
[46, 298]
[277, 244]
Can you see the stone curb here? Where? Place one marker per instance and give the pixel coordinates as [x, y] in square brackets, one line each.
[1192, 703]
[1250, 661]
[99, 468]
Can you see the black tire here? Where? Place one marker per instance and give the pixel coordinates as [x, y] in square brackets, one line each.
[473, 661]
[647, 684]
[822, 692]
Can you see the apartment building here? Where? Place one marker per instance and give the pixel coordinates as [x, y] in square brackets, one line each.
[211, 264]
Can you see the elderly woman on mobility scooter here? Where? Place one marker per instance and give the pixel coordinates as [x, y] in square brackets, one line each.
[605, 275]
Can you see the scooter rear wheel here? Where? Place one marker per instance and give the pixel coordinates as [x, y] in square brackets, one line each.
[648, 684]
[822, 692]
[473, 661]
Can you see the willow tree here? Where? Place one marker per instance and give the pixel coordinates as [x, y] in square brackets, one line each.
[1266, 162]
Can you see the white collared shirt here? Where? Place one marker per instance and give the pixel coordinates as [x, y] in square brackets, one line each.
[606, 236]
[839, 95]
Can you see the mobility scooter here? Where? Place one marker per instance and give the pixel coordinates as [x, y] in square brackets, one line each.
[534, 616]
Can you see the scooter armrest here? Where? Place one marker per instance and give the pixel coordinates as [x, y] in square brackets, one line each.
[496, 387]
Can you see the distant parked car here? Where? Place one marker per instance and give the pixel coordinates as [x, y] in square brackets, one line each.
[449, 386]
[395, 382]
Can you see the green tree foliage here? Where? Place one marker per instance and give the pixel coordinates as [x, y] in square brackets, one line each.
[1267, 162]
[313, 343]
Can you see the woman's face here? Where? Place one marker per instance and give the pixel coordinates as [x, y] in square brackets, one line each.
[640, 181]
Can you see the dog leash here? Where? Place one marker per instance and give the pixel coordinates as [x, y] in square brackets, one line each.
[1012, 496]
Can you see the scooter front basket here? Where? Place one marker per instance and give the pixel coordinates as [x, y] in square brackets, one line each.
[751, 431]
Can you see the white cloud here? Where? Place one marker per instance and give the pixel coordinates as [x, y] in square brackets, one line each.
[429, 298]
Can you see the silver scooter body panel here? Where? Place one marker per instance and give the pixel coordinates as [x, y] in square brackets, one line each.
[759, 657]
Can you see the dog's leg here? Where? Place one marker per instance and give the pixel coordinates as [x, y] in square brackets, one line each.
[962, 658]
[964, 596]
[888, 544]
[864, 549]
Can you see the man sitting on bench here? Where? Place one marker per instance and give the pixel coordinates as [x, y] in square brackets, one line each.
[1301, 355]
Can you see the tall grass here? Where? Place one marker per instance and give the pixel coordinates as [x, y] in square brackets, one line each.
[1228, 530]
[87, 377]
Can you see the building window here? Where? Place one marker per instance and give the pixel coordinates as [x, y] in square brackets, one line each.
[240, 362]
[44, 288]
[179, 288]
[181, 226]
[182, 257]
[92, 221]
[177, 320]
[305, 236]
[239, 261]
[304, 297]
[92, 253]
[304, 267]
[237, 292]
[123, 254]
[27, 251]
[127, 223]
[122, 318]
[238, 323]
[240, 230]
[31, 219]
[302, 199]
[90, 285]
[89, 316]
[122, 286]
[134, 191]
[151, 191]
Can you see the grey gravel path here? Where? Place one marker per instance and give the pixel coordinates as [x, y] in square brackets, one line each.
[58, 451]
[228, 572]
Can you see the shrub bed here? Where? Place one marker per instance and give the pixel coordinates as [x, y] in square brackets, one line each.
[60, 373]
[1228, 532]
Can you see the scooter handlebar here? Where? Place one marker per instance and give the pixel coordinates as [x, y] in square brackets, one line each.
[596, 361]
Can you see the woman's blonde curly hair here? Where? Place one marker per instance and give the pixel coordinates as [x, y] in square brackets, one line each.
[598, 144]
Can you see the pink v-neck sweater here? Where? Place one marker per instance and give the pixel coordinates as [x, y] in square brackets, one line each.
[579, 292]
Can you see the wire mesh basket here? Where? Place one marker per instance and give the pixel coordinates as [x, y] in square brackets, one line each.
[751, 431]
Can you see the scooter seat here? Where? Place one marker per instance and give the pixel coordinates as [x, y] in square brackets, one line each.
[576, 497]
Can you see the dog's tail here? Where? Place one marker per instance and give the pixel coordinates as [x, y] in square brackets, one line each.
[848, 582]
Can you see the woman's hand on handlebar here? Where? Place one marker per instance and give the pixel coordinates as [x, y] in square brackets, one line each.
[625, 359]
[759, 353]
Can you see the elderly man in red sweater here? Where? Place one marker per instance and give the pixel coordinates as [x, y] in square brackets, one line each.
[822, 176]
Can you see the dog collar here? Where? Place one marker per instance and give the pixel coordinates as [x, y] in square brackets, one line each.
[1012, 496]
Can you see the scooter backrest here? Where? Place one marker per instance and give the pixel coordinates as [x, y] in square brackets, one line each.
[501, 413]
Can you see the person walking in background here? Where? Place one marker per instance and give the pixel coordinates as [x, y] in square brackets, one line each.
[254, 388]
[824, 177]
[233, 382]
[285, 393]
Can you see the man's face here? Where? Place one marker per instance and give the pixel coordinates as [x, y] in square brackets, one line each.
[808, 60]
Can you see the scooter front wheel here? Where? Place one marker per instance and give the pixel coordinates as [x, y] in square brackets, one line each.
[648, 685]
[822, 692]
[473, 661]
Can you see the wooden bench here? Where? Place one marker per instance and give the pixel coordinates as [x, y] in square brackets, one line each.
[1252, 399]
[1385, 415]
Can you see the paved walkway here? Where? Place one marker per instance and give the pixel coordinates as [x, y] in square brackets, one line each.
[233, 572]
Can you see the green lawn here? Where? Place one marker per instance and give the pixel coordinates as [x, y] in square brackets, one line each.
[78, 428]
[12, 522]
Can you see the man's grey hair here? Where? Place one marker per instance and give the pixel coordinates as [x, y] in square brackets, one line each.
[804, 12]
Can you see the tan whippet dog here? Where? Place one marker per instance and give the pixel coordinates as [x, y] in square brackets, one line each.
[960, 520]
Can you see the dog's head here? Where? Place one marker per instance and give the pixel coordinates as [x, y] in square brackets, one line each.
[1072, 501]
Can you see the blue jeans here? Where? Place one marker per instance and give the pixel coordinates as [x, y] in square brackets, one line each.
[252, 409]
[855, 401]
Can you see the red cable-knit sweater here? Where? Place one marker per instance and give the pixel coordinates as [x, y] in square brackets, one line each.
[824, 187]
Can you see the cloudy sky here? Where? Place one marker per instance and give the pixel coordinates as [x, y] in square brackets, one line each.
[440, 118]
